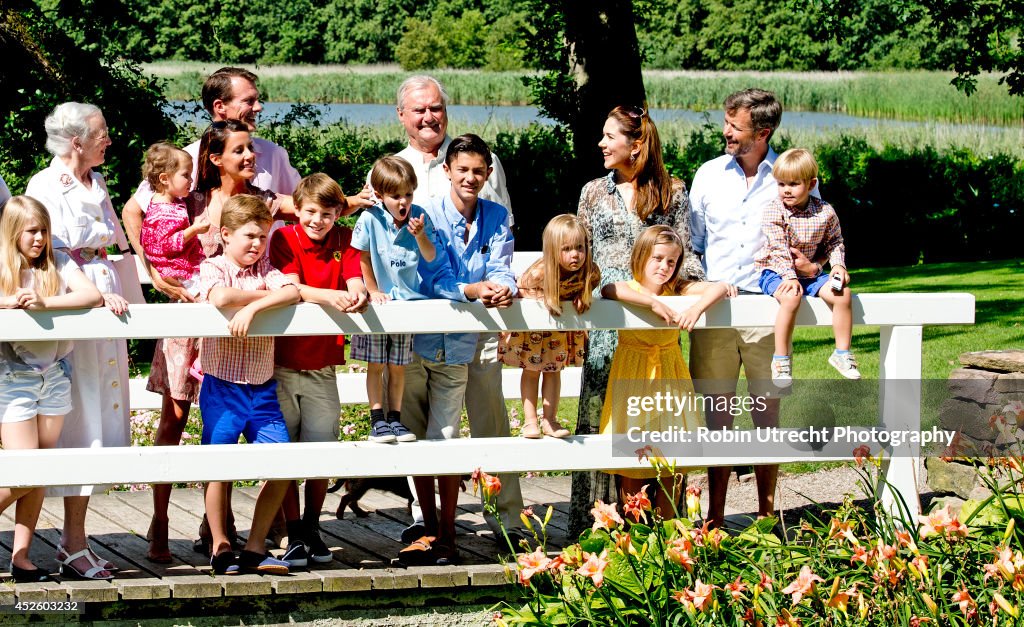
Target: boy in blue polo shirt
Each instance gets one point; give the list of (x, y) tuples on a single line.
[(397, 258)]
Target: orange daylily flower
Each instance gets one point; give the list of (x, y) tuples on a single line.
[(532, 563), (802, 585), (489, 485), (964, 600), (679, 553), (844, 529), (736, 588), (593, 567), (861, 453), (605, 516), (636, 505), (942, 522)]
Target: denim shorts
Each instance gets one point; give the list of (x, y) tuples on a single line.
[(770, 281), (25, 394), (234, 409)]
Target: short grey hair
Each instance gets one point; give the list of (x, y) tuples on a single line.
[(65, 122), (420, 81)]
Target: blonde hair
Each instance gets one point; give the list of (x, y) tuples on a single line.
[(796, 164), (320, 189), (391, 175), (644, 246), (163, 158), (17, 212), (242, 209), (560, 230)]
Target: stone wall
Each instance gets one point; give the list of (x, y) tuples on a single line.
[(981, 389)]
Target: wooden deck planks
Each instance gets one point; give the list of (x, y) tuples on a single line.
[(363, 547)]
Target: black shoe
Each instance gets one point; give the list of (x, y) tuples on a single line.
[(224, 563), (381, 432), (413, 532), (318, 550), (296, 555), (26, 575)]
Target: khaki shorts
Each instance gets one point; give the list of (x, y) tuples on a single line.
[(716, 356), (309, 403)]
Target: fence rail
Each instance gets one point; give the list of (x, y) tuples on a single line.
[(899, 316)]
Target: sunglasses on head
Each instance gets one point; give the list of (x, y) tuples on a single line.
[(635, 112)]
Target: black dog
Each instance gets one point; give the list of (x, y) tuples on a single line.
[(356, 488)]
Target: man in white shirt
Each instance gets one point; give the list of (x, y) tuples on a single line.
[(230, 93), (423, 110), (727, 198)]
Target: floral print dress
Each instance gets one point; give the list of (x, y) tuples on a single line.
[(547, 351), (614, 228)]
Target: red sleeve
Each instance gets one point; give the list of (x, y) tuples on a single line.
[(282, 255), (350, 268)]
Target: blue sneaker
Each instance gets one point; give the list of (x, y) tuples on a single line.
[(401, 433), (381, 432)]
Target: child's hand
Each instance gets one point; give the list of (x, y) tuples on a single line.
[(358, 301), (27, 298), (789, 286), (731, 291), (665, 312), (689, 318), (415, 225), (201, 227), (579, 305), (379, 298), (115, 303), (842, 274), (239, 323)]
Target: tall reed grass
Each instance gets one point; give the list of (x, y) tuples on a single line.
[(898, 95)]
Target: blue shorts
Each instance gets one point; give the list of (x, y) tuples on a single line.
[(234, 409), (770, 281)]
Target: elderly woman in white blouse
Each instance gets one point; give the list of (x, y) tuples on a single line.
[(84, 225)]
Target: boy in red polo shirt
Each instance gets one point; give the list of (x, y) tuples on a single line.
[(315, 254)]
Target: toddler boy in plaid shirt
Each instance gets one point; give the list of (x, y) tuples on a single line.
[(797, 220), (239, 395)]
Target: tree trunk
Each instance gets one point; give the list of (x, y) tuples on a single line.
[(604, 59)]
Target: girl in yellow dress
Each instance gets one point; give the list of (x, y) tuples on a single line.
[(565, 271), (643, 357)]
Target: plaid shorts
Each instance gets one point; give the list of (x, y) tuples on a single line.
[(384, 348)]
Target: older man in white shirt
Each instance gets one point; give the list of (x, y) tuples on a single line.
[(423, 110), (727, 198)]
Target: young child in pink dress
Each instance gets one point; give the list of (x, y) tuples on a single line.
[(168, 235), (565, 271)]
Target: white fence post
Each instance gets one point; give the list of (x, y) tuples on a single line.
[(900, 411)]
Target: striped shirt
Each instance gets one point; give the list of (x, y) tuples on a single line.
[(813, 228), (238, 359)]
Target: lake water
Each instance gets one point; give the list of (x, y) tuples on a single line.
[(378, 114)]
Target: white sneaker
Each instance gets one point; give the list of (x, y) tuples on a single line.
[(782, 375), (845, 363)]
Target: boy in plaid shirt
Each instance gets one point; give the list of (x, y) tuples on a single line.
[(797, 220), (238, 395)]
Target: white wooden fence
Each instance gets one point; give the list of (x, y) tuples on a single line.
[(899, 316)]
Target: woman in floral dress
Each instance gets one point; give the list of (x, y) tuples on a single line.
[(638, 192)]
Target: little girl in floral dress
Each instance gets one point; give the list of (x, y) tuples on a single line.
[(565, 272)]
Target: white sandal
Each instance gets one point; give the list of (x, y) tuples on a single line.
[(92, 573)]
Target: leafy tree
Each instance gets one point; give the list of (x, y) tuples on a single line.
[(43, 67)]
